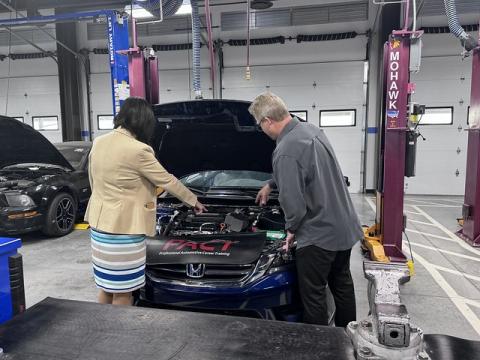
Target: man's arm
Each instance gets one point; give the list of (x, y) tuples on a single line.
[(272, 184), (291, 188)]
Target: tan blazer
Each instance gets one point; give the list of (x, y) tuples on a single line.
[(124, 177)]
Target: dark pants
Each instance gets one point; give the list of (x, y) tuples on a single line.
[(316, 268)]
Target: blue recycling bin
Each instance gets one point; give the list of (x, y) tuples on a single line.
[(12, 293)]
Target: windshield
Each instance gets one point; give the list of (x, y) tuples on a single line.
[(206, 180), (74, 155)]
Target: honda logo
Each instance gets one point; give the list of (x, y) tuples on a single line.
[(196, 271)]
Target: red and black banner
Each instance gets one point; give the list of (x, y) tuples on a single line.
[(232, 249)]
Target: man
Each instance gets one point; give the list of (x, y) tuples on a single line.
[(319, 213)]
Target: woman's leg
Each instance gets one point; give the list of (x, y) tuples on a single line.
[(123, 299), (104, 297)]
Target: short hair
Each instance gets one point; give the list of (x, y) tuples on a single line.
[(136, 115), (268, 105)]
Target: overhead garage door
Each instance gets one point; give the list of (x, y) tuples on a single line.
[(311, 85), (443, 82)]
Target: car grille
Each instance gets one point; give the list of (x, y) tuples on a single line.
[(217, 273)]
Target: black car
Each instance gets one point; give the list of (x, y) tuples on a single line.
[(42, 186)]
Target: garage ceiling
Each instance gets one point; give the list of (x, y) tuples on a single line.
[(437, 7), (298, 16)]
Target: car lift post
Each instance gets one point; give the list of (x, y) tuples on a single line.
[(142, 69), (387, 332), (471, 205), (383, 240)]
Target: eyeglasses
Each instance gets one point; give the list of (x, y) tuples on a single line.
[(261, 121)]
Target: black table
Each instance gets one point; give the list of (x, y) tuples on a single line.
[(65, 329)]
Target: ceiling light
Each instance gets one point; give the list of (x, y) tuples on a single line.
[(138, 12), (261, 4), (185, 8)]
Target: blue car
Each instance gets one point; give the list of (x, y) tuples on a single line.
[(230, 259)]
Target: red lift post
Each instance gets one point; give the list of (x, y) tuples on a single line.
[(471, 206), (383, 240)]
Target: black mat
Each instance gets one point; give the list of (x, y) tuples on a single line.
[(443, 347), (64, 329)]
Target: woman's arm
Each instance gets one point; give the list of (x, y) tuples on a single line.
[(152, 170)]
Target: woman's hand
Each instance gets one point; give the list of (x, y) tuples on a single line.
[(199, 208)]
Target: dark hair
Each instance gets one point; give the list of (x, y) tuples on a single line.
[(136, 115)]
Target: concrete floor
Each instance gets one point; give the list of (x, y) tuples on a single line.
[(443, 297)]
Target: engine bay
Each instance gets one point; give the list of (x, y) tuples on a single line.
[(175, 220)]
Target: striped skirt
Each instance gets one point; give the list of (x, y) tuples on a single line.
[(118, 261)]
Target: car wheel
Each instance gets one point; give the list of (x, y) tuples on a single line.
[(61, 215)]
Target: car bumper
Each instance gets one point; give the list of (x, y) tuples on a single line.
[(273, 296), (21, 225)]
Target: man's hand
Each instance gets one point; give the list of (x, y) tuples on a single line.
[(263, 195), (199, 208), (288, 241)]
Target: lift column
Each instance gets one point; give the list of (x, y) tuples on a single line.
[(471, 207)]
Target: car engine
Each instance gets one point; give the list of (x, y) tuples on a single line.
[(179, 221)]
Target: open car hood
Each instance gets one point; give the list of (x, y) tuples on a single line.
[(204, 135), (23, 144)]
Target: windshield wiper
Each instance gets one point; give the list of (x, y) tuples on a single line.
[(246, 191), (196, 191)]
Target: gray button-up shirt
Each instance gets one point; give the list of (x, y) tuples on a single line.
[(312, 189)]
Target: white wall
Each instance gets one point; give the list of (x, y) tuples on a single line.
[(339, 85), (290, 70), (30, 88), (444, 80), (311, 77)]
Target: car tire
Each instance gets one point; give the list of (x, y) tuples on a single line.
[(61, 215)]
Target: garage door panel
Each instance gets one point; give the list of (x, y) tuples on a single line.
[(436, 173), (337, 86), (437, 93), (328, 75), (444, 68)]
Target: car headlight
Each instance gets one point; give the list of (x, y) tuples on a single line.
[(281, 262), (19, 200)]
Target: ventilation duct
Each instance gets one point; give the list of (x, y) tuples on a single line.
[(32, 55), (297, 16), (97, 51), (173, 47), (326, 37), (446, 29), (262, 41), (169, 7)]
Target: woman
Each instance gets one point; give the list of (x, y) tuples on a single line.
[(125, 178)]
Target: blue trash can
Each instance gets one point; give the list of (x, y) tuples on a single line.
[(12, 291)]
